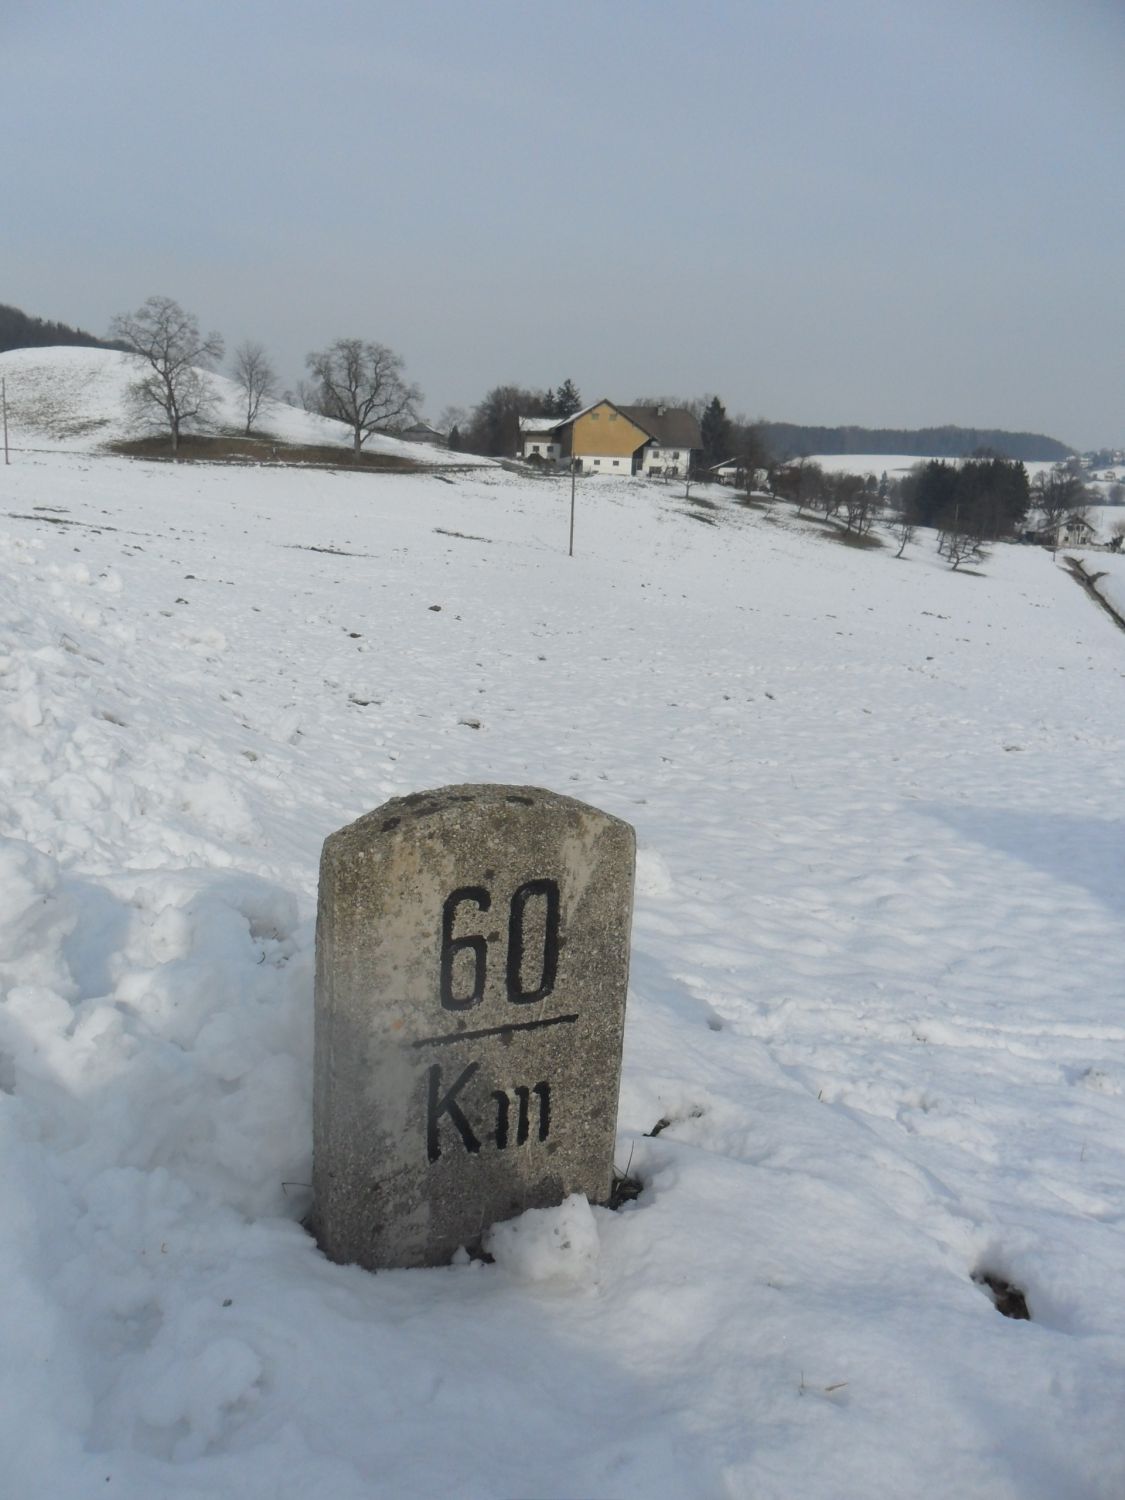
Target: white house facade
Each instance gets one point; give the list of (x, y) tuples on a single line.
[(540, 440)]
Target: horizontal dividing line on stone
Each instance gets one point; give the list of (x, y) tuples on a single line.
[(471, 1036)]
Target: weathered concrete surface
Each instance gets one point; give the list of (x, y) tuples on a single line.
[(472, 964)]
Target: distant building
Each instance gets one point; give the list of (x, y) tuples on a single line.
[(1074, 530), (422, 432), (737, 472)]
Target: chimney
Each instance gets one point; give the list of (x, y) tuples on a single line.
[(660, 411)]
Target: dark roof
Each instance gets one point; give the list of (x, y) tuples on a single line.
[(670, 426)]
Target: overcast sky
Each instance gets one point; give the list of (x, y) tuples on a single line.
[(889, 212)]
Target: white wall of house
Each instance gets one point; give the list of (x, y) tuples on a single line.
[(541, 447), (598, 463), (1076, 533), (672, 462)]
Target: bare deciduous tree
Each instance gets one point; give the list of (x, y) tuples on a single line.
[(255, 377), (959, 536), (362, 384), (859, 498), (803, 482), (905, 529), (905, 523), (451, 417), (167, 339), (960, 545)]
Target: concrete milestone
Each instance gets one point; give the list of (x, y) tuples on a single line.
[(472, 964)]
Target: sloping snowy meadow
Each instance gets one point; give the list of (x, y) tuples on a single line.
[(875, 1041)]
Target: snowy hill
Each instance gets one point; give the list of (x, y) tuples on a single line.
[(874, 1016), (74, 400)]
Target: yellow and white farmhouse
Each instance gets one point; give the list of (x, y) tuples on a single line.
[(609, 439)]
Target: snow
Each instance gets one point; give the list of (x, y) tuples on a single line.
[(874, 1012), (1108, 569), (72, 400), (1105, 519), (549, 1244)]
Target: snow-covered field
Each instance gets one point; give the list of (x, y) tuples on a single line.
[(876, 994)]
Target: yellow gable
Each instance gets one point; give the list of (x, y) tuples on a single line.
[(605, 432)]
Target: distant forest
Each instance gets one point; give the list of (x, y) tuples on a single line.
[(786, 440), (19, 331)]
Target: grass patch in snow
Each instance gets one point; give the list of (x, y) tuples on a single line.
[(227, 448), (862, 542)]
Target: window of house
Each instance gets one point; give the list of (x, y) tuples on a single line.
[(676, 454), (613, 416), (535, 447), (595, 416), (615, 463)]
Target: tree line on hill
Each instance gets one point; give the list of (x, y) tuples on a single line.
[(20, 331), (789, 440)]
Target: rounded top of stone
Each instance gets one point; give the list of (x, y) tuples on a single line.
[(417, 807)]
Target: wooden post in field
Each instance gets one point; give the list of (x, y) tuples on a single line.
[(4, 404)]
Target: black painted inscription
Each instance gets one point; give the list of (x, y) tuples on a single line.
[(543, 1093), (503, 1109), (542, 896), (548, 892), (451, 947), (446, 1104)]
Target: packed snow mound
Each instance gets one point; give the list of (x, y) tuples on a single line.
[(873, 1049), (548, 1244), (64, 399)]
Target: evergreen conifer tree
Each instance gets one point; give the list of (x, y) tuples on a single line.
[(715, 432), (567, 401)]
